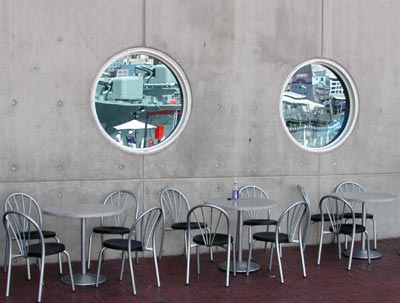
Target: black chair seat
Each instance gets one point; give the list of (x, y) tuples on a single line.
[(51, 248), (348, 229), (270, 237), (357, 216), (219, 240), (122, 244), (318, 217), (256, 222), (34, 235), (111, 230), (183, 225)]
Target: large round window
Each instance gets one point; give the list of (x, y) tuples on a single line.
[(141, 100), (319, 105)]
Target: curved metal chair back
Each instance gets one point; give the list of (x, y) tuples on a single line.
[(144, 228), (252, 191), (26, 204), (306, 226), (292, 221), (175, 206), (349, 186), (122, 199)]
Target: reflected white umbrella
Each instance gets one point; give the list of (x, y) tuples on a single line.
[(134, 124)]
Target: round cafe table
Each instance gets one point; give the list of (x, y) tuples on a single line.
[(82, 211), (240, 205), (364, 198)]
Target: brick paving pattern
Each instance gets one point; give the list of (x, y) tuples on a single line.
[(329, 282)]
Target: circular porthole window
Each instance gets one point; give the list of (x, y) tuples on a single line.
[(319, 105), (141, 100)]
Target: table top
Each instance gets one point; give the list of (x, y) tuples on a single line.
[(368, 197), (246, 204), (83, 210)]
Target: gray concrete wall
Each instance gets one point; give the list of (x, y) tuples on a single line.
[(236, 55)]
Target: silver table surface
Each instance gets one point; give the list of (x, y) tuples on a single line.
[(240, 205), (82, 211), (364, 198)]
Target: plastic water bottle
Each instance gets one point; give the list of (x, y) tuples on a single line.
[(235, 190)]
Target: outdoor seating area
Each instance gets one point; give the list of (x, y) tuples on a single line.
[(131, 231)]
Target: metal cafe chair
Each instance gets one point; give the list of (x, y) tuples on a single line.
[(26, 204), (214, 232), (349, 186), (331, 204), (175, 207), (256, 217), (20, 228), (141, 238), (118, 225), (288, 230)]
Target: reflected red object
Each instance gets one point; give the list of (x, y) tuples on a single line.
[(159, 132), (150, 143), (173, 101)]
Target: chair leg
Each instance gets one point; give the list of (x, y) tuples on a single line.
[(162, 242), (277, 246), (303, 264), (234, 258), (198, 260), (8, 274), (374, 231), (5, 255), (28, 268), (90, 250), (41, 280), (339, 247), (70, 269), (121, 273), (187, 263), (59, 258), (228, 264), (99, 265), (156, 266), (132, 273), (249, 258), (321, 237), (271, 255), (351, 252)]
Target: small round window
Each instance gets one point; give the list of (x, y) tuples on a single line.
[(141, 100), (319, 105)]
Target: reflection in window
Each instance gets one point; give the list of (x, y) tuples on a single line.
[(315, 106), (138, 100)]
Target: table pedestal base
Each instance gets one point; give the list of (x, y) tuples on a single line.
[(362, 254), (241, 267), (83, 279)]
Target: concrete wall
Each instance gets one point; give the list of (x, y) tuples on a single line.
[(237, 55)]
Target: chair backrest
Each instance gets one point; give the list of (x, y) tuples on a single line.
[(349, 186), (252, 191), (122, 199), (144, 228), (292, 222), (25, 204), (174, 205), (19, 227), (334, 207), (211, 220)]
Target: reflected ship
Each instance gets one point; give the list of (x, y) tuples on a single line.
[(138, 99)]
